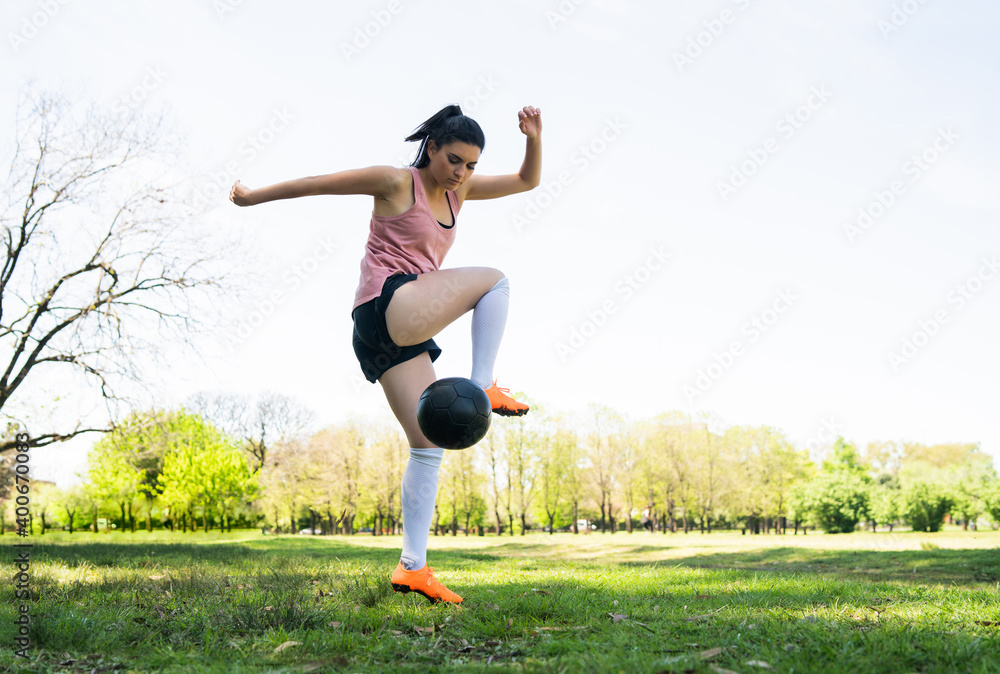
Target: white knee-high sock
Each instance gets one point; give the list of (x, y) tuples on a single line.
[(418, 494), (488, 321)]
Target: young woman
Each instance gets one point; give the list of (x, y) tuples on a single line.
[(404, 298)]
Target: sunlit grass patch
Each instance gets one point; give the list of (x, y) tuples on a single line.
[(645, 602)]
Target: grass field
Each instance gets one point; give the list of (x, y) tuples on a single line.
[(901, 602)]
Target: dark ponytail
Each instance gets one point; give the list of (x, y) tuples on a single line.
[(446, 126)]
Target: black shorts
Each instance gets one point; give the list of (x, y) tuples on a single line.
[(374, 348)]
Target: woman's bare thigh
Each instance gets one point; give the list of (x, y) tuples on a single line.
[(403, 384), (423, 307)]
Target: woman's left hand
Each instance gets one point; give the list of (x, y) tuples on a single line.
[(530, 121)]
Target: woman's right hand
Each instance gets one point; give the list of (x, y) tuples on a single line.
[(240, 194)]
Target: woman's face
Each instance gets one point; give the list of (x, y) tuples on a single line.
[(453, 163)]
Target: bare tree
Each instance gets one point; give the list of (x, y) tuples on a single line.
[(99, 268), (261, 423)]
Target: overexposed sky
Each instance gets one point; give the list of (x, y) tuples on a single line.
[(746, 207)]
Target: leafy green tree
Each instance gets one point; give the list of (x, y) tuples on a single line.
[(498, 492), (336, 455), (603, 445), (553, 469), (846, 458), (926, 504), (991, 500), (205, 468), (45, 498), (838, 500), (382, 473), (968, 501), (520, 439), (72, 503), (113, 475), (886, 506)]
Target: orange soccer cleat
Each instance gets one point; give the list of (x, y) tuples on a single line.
[(503, 404), (423, 582)]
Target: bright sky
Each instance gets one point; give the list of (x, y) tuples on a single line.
[(784, 213)]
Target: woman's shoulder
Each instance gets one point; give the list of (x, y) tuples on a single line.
[(398, 183)]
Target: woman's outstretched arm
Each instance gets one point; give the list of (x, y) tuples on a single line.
[(492, 187), (377, 181)]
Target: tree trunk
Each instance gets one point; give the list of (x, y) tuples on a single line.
[(496, 513), (576, 517), (510, 522), (524, 524)]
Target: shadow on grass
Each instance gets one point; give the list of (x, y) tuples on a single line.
[(960, 567), (969, 567), (143, 555)]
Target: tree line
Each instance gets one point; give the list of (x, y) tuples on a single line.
[(231, 461)]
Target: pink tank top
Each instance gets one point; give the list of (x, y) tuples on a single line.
[(412, 242)]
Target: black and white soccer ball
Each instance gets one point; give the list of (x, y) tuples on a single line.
[(454, 413)]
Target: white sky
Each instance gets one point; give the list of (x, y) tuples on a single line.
[(672, 131)]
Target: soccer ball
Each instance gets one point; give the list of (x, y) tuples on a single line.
[(454, 413)]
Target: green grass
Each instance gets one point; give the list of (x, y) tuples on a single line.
[(902, 602)]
